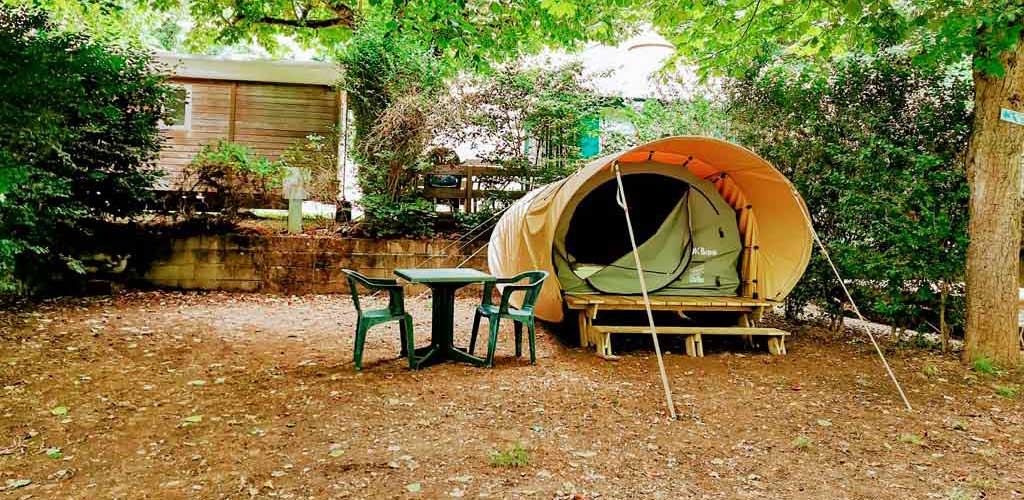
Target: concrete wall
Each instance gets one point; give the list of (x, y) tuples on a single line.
[(294, 264)]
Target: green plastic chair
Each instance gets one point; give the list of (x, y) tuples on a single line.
[(369, 318), (521, 315)]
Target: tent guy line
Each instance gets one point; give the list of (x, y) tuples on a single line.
[(856, 310), (620, 198)]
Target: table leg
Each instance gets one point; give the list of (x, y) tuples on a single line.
[(442, 345)]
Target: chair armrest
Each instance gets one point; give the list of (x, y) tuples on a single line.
[(396, 302), (508, 290)]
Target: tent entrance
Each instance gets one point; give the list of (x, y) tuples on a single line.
[(687, 236)]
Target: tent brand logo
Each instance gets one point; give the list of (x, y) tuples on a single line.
[(705, 252)]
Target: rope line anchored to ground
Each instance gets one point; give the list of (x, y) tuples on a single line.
[(856, 310), (620, 198)]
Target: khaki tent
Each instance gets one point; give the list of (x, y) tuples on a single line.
[(711, 219)]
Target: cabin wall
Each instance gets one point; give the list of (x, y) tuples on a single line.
[(267, 117)]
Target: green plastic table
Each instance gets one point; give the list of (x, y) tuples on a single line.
[(443, 283)]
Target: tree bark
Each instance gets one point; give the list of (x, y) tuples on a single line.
[(993, 174)]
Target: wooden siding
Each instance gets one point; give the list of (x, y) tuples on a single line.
[(266, 117)]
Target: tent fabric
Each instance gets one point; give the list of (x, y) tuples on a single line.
[(531, 234)]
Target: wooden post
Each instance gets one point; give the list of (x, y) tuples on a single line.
[(233, 111), (469, 189)]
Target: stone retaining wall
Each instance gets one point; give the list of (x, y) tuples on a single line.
[(294, 264)]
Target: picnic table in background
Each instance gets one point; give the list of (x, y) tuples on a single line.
[(443, 283)]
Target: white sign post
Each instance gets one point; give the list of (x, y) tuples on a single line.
[(294, 188)]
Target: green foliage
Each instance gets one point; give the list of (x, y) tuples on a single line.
[(233, 172), (930, 370), (1007, 391), (668, 115), (986, 366), (874, 146), (392, 83), (802, 443), (318, 154), (910, 438), (110, 22), (478, 220), (470, 33), (79, 137), (731, 35), (412, 217), (515, 456), (529, 120)]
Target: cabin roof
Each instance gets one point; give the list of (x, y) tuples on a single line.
[(251, 70)]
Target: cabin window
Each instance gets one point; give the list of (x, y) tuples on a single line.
[(179, 108)]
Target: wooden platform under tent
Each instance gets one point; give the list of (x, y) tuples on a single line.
[(749, 312)]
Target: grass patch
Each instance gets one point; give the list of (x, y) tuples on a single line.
[(910, 438), (930, 370), (1007, 391), (514, 456), (986, 366), (801, 443), (957, 493)]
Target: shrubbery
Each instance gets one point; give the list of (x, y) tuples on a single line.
[(875, 147), (79, 136), (393, 84), (231, 171)]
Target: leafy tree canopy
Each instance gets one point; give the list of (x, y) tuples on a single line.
[(472, 31), (730, 35)]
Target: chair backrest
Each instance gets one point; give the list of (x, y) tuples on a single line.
[(355, 279)]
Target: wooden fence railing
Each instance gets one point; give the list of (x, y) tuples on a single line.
[(475, 182)]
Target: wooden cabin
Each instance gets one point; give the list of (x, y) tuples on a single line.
[(266, 105)]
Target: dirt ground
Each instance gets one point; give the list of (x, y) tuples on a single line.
[(168, 395)]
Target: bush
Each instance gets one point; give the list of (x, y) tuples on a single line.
[(234, 173), (531, 121), (392, 82), (875, 146), (318, 154), (411, 216), (79, 138)]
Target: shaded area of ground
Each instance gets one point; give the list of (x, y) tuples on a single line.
[(248, 396)]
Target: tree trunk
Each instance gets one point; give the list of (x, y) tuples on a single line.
[(943, 327), (993, 256)]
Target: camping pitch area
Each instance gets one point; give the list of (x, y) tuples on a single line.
[(168, 395)]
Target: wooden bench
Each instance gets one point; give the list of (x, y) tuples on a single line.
[(694, 334), (749, 311)]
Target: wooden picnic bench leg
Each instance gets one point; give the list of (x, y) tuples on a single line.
[(583, 326), (603, 340), (700, 345), (691, 345), (748, 340), (776, 345)]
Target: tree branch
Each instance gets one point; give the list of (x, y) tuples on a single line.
[(345, 18)]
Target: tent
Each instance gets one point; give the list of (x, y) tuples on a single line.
[(711, 219)]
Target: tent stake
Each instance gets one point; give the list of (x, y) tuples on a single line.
[(856, 310), (621, 199)]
